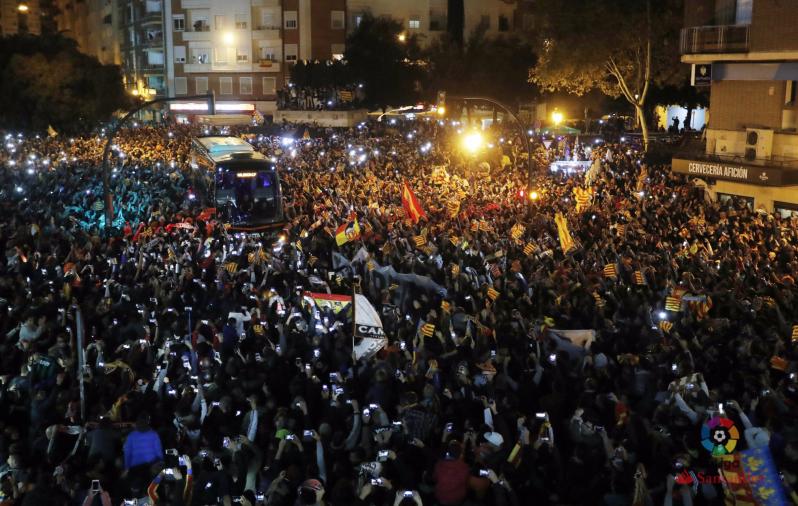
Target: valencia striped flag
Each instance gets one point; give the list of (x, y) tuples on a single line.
[(493, 294), (428, 329), (529, 249), (665, 326), (639, 278), (420, 240), (411, 204), (673, 303), (455, 270), (610, 271), (795, 332), (231, 267), (446, 307)]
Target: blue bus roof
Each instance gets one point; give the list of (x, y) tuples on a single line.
[(219, 148)]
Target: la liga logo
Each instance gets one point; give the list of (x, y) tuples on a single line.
[(719, 436)]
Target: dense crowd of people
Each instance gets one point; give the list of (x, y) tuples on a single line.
[(516, 372), (320, 98)]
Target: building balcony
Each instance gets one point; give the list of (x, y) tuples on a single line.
[(199, 33), (189, 68), (714, 39), (266, 33), (267, 66), (149, 18)]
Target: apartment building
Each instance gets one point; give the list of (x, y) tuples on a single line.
[(429, 19), (94, 25), (747, 52), (242, 49), (20, 16), (143, 47)]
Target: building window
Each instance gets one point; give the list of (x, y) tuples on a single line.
[(200, 22), (504, 24), (201, 85), (337, 20), (267, 53), (242, 56), (179, 22), (485, 21), (245, 85), (744, 11), (358, 19), (220, 55), (180, 54), (414, 24), (269, 85), (337, 51), (290, 20), (219, 22), (181, 86), (291, 51), (241, 21), (267, 21), (199, 55), (225, 86)]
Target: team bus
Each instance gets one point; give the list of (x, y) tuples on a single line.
[(240, 183)]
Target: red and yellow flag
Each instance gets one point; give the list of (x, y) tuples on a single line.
[(411, 204), (349, 231)]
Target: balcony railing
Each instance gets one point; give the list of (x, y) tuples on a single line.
[(714, 39)]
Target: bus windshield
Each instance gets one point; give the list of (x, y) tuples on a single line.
[(247, 195)]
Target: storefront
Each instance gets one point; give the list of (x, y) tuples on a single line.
[(772, 188)]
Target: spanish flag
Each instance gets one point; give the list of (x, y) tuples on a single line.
[(566, 241), (411, 204), (349, 231)]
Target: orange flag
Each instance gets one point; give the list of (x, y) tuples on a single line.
[(411, 204)]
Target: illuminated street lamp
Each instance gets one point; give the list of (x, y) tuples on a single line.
[(533, 195), (402, 37), (472, 142), (556, 117), (228, 38), (441, 110), (22, 7)]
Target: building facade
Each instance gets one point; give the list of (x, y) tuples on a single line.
[(429, 19), (747, 52), (20, 17), (242, 50)]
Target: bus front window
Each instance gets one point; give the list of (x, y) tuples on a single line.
[(249, 195)]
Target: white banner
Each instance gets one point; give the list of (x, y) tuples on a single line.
[(369, 335)]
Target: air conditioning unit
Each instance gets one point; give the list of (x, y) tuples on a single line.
[(758, 143)]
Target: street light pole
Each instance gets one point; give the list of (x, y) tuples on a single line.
[(523, 133), (109, 200)]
